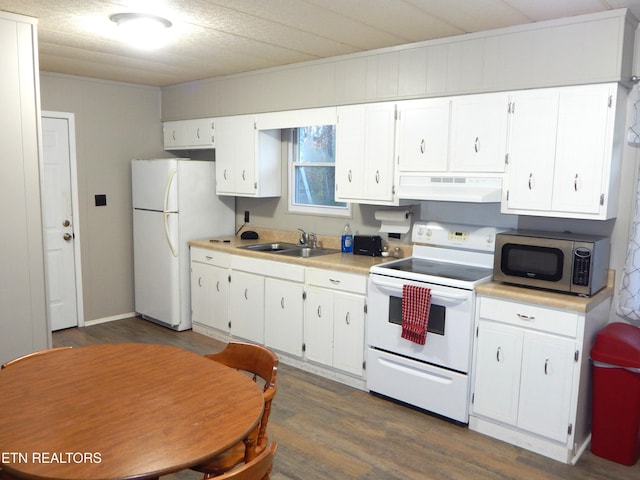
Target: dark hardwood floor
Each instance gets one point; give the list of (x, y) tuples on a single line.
[(328, 431)]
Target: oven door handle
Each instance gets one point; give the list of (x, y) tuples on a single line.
[(396, 291)]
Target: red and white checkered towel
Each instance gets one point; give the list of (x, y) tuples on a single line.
[(415, 313)]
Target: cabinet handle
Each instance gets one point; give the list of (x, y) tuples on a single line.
[(525, 317), (476, 145), (319, 311), (377, 176), (347, 318), (422, 146), (243, 175), (224, 174), (546, 366), (208, 257), (218, 285), (334, 281), (531, 181), (198, 133), (173, 134), (349, 176), (282, 302), (575, 183), (246, 297), (199, 281), (499, 355)]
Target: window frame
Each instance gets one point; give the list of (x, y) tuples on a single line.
[(292, 207)]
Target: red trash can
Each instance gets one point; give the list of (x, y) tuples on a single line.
[(615, 429)]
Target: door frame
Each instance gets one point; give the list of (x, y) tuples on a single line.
[(75, 206)]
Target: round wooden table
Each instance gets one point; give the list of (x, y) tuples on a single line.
[(120, 411)]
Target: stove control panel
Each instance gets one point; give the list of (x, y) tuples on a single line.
[(469, 237)]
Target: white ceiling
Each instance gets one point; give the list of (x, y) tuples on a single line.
[(210, 38)]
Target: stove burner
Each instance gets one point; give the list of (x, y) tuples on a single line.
[(432, 268)]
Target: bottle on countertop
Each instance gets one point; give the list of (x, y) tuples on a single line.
[(347, 239)]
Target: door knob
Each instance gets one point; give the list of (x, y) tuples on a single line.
[(66, 223), (67, 237)]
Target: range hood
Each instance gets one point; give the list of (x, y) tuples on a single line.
[(450, 188)]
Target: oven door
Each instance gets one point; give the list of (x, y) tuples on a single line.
[(449, 330)]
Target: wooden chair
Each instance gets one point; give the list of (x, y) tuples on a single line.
[(31, 355), (261, 363), (257, 469)]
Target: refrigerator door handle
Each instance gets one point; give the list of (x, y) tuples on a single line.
[(167, 235), (165, 214), (167, 189)]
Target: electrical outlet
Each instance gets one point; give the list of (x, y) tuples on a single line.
[(246, 216)]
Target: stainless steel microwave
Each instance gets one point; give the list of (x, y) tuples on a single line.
[(563, 262)]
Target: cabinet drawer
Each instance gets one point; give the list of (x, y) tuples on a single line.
[(268, 268), (343, 281), (211, 257), (526, 315)]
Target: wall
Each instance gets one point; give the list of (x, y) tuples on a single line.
[(115, 122)]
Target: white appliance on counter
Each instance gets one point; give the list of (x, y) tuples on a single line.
[(450, 260), (174, 201)]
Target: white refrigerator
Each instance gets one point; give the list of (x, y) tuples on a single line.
[(174, 201)]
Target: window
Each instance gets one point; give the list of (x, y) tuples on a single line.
[(312, 171)]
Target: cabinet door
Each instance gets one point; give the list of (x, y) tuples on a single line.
[(318, 326), (284, 310), (365, 149), (350, 146), (235, 155), (532, 149), (245, 155), (219, 278), (225, 162), (210, 295), (246, 308), (200, 133), (479, 133), (546, 385), (497, 378), (174, 134), (348, 333), (379, 152), (423, 140), (582, 153), (201, 294)]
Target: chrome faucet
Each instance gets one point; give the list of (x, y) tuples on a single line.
[(304, 238), (314, 240)]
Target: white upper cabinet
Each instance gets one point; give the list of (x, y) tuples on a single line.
[(193, 134), (562, 159), (479, 133), (423, 139), (365, 150), (247, 160)]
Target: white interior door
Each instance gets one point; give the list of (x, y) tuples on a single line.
[(60, 221)]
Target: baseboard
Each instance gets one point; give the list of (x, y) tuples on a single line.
[(113, 318)]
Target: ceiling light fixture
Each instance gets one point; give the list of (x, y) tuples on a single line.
[(141, 29)]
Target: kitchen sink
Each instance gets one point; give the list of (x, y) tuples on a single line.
[(289, 249), (306, 252), (270, 247)]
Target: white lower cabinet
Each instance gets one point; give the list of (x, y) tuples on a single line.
[(531, 375), (334, 319), (246, 309), (524, 378), (284, 310), (210, 289), (306, 315)]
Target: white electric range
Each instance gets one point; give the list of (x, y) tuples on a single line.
[(450, 260)]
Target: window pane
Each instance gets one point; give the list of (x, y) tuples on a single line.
[(315, 186), (316, 144)]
